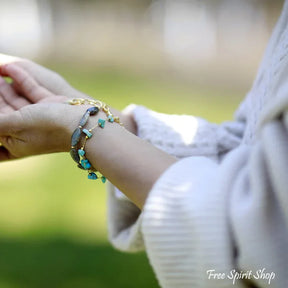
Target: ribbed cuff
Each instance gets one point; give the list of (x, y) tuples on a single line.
[(185, 225)]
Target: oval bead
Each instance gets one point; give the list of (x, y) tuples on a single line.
[(74, 154), (93, 110), (84, 119), (76, 137)]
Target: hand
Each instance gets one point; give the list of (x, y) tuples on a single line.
[(32, 83), (38, 129), (47, 128)]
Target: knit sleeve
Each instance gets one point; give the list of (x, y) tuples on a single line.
[(185, 135), (180, 136), (205, 219), (218, 217)]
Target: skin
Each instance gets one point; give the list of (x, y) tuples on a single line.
[(35, 120)]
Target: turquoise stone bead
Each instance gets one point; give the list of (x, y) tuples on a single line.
[(85, 164), (87, 132), (75, 155), (81, 153), (101, 123), (92, 176), (103, 179), (110, 118), (84, 119), (76, 137), (93, 110)]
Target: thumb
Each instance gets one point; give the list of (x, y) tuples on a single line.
[(26, 83)]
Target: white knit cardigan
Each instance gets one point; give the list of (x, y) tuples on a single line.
[(224, 204)]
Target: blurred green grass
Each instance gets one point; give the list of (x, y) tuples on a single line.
[(53, 220)]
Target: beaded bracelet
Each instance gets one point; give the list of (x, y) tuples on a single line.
[(100, 105), (79, 154)]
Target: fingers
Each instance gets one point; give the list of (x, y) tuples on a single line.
[(26, 83), (11, 99), (4, 107), (6, 59)]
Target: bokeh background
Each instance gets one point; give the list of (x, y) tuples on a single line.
[(174, 56)]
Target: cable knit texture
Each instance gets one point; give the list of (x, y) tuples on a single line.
[(223, 205)]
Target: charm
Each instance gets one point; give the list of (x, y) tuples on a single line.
[(92, 176), (101, 123), (85, 164), (87, 132), (81, 153), (110, 118)]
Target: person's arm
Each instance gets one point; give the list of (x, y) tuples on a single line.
[(177, 135), (130, 163)]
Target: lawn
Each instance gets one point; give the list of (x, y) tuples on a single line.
[(53, 220)]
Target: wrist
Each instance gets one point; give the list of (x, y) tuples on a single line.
[(86, 129), (129, 123), (74, 113)]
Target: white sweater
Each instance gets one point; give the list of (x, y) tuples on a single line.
[(224, 204)]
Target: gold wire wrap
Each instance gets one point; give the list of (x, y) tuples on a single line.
[(97, 103)]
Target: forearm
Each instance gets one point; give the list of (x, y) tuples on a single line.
[(126, 119)]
